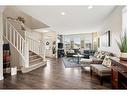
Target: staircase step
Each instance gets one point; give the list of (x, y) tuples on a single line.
[(34, 60), (33, 57), (33, 67), (31, 53)]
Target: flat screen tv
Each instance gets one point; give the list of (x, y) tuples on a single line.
[(60, 45)]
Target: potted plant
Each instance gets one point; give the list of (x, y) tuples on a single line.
[(123, 47)]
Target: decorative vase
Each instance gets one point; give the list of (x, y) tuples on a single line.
[(123, 56)]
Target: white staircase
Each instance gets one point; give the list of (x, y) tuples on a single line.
[(35, 61), (32, 52)]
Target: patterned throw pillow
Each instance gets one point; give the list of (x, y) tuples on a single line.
[(102, 55), (99, 56), (96, 53), (107, 61)]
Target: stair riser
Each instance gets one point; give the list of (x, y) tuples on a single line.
[(25, 70), (33, 58), (30, 54)]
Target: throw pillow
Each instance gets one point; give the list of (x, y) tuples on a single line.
[(107, 61), (71, 51), (96, 53), (99, 56), (102, 56)]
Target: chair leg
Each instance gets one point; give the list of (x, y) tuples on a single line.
[(101, 80), (91, 71)]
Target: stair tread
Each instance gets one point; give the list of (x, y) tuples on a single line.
[(36, 59), (33, 55), (35, 64)]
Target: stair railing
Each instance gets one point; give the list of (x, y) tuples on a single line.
[(32, 45), (16, 40), (22, 43)]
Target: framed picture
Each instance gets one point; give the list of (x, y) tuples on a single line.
[(105, 39)]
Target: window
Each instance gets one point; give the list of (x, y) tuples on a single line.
[(124, 21)]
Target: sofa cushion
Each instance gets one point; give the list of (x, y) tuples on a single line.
[(107, 62), (86, 60), (96, 53), (71, 51), (101, 55), (101, 70)]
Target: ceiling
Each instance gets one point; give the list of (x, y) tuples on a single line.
[(77, 19)]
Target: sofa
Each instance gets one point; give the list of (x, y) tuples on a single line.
[(100, 68), (72, 52), (88, 53)]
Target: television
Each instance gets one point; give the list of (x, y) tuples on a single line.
[(60, 45)]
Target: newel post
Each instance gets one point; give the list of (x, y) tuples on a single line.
[(1, 43), (26, 52), (44, 50)]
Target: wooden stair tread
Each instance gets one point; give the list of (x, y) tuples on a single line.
[(35, 62)]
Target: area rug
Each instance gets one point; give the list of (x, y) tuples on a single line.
[(70, 63)]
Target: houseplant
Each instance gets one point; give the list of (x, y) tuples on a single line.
[(123, 47)]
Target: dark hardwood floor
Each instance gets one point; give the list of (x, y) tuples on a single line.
[(53, 76)]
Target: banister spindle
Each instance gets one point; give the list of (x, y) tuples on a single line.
[(6, 29), (20, 44), (17, 40), (10, 29), (14, 37)]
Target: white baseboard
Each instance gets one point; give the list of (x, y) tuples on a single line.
[(1, 77)]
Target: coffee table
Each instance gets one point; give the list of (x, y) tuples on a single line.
[(78, 56)]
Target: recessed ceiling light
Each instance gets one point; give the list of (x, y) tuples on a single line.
[(63, 13), (45, 30), (90, 7)]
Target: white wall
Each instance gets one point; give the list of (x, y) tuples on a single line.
[(50, 37), (114, 24), (34, 35), (1, 43), (30, 22), (14, 13)]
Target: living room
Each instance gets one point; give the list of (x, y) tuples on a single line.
[(81, 47)]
